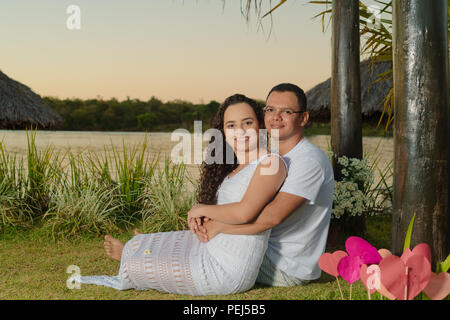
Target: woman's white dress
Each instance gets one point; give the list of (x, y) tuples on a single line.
[(177, 262)]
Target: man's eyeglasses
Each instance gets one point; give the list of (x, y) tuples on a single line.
[(285, 112)]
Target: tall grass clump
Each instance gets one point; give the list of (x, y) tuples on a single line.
[(79, 204), (93, 193), (43, 171), (380, 190), (126, 173), (167, 199), (13, 210), (133, 169), (82, 210)]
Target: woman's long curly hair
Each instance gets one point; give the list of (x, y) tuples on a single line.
[(213, 174)]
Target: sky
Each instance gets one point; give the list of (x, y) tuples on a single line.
[(194, 50)]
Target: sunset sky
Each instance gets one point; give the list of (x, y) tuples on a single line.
[(195, 50)]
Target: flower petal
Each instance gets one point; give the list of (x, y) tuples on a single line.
[(356, 246), (349, 268)]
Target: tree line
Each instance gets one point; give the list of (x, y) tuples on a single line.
[(131, 114), (157, 116)]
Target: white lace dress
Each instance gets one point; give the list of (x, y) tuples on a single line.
[(177, 262)]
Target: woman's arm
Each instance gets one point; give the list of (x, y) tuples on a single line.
[(211, 228), (272, 215), (261, 190)]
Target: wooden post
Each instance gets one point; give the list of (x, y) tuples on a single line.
[(346, 130), (421, 125)]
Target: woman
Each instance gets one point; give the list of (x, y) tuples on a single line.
[(177, 262)]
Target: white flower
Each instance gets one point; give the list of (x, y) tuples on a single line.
[(343, 161), (348, 198)]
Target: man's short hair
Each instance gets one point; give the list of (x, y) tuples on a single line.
[(289, 87)]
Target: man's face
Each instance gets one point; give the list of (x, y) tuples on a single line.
[(278, 115)]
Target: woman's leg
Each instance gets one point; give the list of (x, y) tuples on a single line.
[(160, 261), (114, 247)]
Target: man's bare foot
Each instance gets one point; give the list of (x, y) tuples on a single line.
[(136, 232), (113, 247)]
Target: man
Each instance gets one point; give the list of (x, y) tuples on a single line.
[(299, 215)]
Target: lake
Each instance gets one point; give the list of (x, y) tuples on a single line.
[(158, 142)]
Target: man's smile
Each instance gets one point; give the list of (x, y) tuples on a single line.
[(276, 126)]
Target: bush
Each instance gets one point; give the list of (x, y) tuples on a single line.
[(167, 199), (82, 210), (357, 194), (95, 194)]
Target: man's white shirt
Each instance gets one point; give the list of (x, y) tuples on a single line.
[(296, 244)]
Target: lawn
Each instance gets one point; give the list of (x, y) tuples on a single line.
[(33, 267)]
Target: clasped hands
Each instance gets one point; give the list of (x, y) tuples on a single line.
[(202, 226)]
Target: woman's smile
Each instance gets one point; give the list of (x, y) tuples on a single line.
[(242, 139)]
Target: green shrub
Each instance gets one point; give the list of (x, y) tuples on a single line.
[(84, 209), (167, 199)]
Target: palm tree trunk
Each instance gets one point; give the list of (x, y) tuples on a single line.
[(346, 132), (422, 120)]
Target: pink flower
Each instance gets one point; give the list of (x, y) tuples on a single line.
[(359, 252)]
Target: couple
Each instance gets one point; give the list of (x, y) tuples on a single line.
[(248, 226)]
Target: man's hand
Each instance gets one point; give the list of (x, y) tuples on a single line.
[(212, 228), (208, 230), (196, 211)]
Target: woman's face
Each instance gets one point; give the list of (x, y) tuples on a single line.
[(241, 127)]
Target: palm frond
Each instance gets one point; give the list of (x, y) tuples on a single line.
[(274, 8)]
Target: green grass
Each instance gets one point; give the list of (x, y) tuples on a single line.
[(33, 267)]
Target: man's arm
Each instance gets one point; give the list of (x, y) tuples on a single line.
[(261, 190), (272, 215)]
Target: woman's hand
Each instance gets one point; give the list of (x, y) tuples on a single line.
[(201, 232), (195, 217)]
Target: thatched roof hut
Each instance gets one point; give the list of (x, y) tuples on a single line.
[(372, 95), (20, 107)]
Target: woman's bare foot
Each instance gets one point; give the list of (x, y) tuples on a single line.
[(113, 247), (136, 232)]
